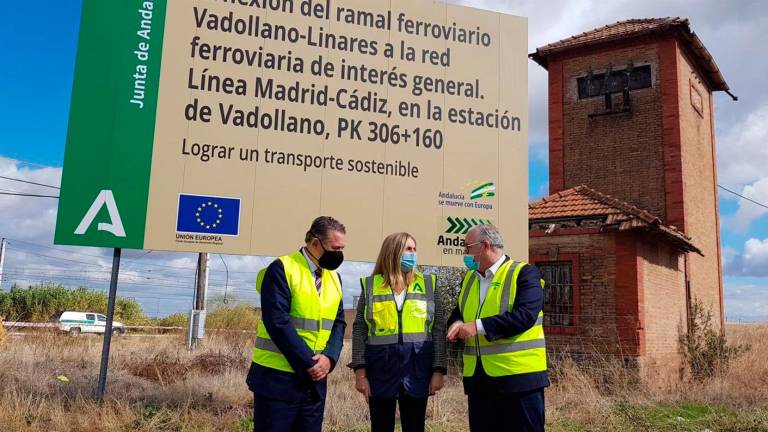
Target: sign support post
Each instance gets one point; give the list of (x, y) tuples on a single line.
[(108, 329)]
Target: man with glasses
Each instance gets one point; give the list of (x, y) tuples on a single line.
[(300, 333), (499, 317)]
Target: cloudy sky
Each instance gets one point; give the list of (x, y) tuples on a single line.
[(37, 73)]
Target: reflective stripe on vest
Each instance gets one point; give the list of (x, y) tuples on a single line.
[(381, 313), (269, 345), (522, 353), (311, 325), (312, 314), (512, 347)]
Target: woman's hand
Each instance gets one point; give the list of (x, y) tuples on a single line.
[(436, 383), (361, 384)]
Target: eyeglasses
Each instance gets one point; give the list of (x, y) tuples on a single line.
[(466, 247)]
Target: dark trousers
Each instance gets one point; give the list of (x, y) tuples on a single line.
[(515, 412), (272, 415), (413, 413)]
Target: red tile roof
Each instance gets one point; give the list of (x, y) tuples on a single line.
[(582, 203), (635, 28)]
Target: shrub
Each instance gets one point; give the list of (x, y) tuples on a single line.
[(47, 301), (705, 351), (240, 317), (218, 301), (179, 319)]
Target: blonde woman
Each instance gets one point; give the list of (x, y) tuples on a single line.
[(398, 338)]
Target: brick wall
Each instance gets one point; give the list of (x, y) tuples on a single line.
[(700, 185), (596, 329), (631, 294), (556, 127), (664, 300), (619, 155), (630, 301)]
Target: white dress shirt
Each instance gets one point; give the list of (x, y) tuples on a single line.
[(485, 282), (312, 266), (399, 298)]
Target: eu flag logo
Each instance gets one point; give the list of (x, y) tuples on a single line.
[(208, 215)]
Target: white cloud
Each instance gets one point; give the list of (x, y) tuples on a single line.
[(728, 254), (745, 302), (742, 162), (351, 272), (743, 150), (749, 211), (752, 261), (31, 219)]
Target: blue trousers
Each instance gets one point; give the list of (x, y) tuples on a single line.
[(413, 411), (513, 412), (272, 415)]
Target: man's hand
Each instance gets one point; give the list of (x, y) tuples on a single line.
[(321, 368), (361, 384), (436, 383), (453, 331), (462, 330)]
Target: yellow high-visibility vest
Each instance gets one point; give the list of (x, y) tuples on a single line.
[(519, 354), (381, 310), (312, 314)]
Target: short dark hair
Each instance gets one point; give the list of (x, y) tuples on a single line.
[(322, 226)]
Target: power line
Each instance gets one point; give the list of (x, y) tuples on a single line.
[(12, 240), (29, 195), (56, 249), (243, 286), (137, 288), (136, 292), (742, 196), (30, 182)]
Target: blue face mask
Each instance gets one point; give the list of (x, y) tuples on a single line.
[(470, 262), (408, 261)]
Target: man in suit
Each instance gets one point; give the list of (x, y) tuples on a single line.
[(300, 334), (499, 317)]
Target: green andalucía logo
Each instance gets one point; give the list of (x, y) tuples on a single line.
[(463, 225), (485, 190)]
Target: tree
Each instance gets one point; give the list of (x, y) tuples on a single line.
[(448, 288)]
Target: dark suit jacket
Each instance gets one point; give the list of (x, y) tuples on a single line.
[(529, 301), (275, 308)]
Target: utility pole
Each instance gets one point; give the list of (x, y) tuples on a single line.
[(202, 281), (2, 260), (197, 315)]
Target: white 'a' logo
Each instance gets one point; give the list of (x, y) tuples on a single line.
[(116, 227)]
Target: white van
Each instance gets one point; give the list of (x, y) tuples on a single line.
[(87, 322)]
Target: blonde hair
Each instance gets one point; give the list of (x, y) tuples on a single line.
[(388, 262)]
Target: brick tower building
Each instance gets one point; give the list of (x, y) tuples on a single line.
[(630, 233)]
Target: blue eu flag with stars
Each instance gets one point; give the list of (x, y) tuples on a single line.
[(208, 215)]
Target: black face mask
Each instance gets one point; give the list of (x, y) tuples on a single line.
[(330, 259)]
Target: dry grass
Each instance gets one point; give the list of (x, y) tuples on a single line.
[(2, 335), (745, 384), (156, 385)]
